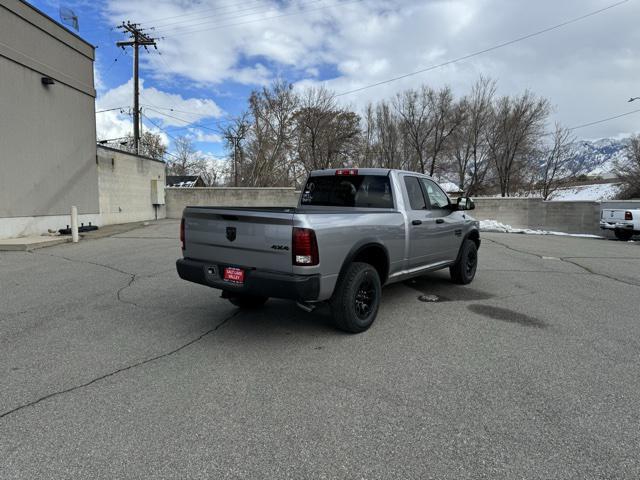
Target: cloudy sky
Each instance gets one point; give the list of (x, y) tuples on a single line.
[(212, 53)]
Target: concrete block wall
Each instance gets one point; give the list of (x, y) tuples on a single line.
[(178, 198), (125, 186), (568, 217), (534, 213)]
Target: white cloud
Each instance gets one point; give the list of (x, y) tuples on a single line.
[(587, 69), (110, 125), (200, 136), (166, 109)]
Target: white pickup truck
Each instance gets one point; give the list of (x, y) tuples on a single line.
[(624, 223)]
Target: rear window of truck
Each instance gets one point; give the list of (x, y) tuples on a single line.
[(363, 191)]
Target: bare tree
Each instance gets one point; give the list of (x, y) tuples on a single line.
[(628, 170), (517, 125), (151, 145), (445, 119), (326, 135), (413, 107), (389, 136), (235, 135), (187, 161), (269, 151), (469, 146), (555, 158), (368, 151)]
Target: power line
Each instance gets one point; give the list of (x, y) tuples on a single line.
[(183, 111), (603, 120), (153, 107), (486, 50), (160, 128), (110, 109), (162, 59), (225, 17), (122, 52), (111, 140), (265, 7), (188, 122), (167, 133), (197, 12), (300, 12)]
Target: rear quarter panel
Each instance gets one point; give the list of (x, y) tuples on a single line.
[(338, 233)]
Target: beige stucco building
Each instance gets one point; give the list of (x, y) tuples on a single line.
[(48, 157)]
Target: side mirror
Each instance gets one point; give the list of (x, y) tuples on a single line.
[(465, 203)]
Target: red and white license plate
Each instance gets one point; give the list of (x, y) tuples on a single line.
[(232, 274)]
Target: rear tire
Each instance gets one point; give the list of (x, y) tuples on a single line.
[(356, 298), (248, 301), (464, 270), (623, 234)]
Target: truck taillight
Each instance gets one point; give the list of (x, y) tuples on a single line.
[(305, 247), (347, 171), (628, 216), (182, 233)]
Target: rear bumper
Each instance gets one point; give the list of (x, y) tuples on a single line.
[(625, 225), (256, 282)]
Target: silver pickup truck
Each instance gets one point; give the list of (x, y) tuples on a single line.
[(353, 231)]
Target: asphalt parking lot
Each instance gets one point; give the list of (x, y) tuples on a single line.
[(113, 367)]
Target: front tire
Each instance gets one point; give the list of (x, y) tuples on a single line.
[(356, 298), (248, 301), (464, 270), (623, 234)]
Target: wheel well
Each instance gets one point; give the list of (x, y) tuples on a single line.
[(475, 237), (376, 256)]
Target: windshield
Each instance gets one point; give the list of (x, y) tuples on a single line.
[(365, 191)]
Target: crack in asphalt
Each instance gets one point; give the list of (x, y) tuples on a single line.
[(593, 272), (75, 260), (122, 289), (567, 260), (515, 270), (511, 248), (120, 370), (132, 276)]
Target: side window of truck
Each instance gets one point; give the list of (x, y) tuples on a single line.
[(414, 192), (437, 198)]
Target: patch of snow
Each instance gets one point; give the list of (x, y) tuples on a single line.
[(448, 186), (596, 192), (495, 226)]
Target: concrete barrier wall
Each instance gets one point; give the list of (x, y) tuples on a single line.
[(178, 198), (534, 213), (568, 217), (125, 186)]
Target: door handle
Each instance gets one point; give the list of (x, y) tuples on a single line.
[(439, 220), (416, 222)]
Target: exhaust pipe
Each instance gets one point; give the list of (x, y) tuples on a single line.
[(307, 307)]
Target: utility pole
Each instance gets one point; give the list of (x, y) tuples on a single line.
[(137, 38), (235, 140), (235, 136)]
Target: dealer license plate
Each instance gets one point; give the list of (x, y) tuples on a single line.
[(234, 275)]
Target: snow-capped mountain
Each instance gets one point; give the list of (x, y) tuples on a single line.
[(598, 157)]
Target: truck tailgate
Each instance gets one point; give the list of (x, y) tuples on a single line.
[(612, 215), (244, 237)]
